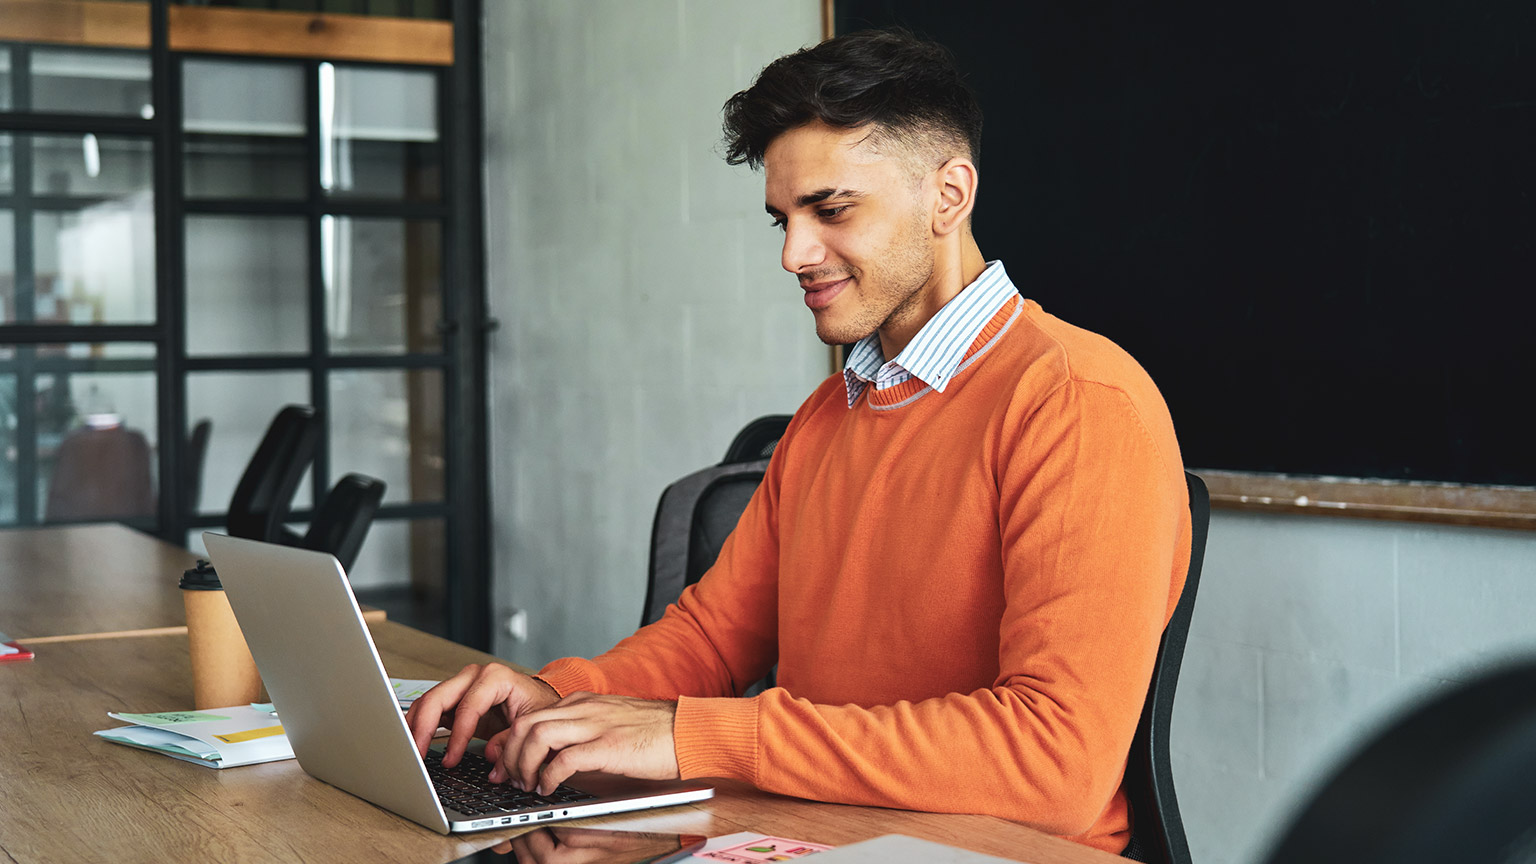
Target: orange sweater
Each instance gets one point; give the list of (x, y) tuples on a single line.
[(964, 592)]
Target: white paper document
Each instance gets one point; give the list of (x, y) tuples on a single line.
[(226, 737), (217, 738)]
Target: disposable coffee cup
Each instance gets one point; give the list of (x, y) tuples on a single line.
[(223, 673)]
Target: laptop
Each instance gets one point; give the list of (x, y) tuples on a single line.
[(328, 685)]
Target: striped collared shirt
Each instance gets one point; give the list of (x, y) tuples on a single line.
[(934, 354)]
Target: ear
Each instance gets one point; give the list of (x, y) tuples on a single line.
[(957, 181)]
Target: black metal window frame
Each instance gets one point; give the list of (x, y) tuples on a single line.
[(464, 508)]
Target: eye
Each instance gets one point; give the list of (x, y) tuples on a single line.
[(779, 223), (831, 212)]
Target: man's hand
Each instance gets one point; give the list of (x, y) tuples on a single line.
[(479, 702), (585, 732)]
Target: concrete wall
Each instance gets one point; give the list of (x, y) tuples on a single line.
[(1308, 634), (645, 316), (645, 320)]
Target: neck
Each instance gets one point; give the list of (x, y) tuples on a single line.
[(955, 265)]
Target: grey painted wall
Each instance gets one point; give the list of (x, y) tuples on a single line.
[(645, 321), (645, 315), (1310, 633)]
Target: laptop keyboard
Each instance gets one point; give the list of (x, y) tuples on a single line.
[(466, 788)]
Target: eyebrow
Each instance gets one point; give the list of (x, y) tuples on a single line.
[(819, 196)]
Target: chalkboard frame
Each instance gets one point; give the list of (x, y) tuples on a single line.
[(1509, 507)]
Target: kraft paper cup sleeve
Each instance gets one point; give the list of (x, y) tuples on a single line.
[(223, 672)]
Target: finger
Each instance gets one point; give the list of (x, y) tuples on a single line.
[(495, 746), (518, 846), (590, 756), (578, 704), (537, 847), (486, 691), (426, 713), (547, 731)]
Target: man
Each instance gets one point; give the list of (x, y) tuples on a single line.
[(966, 546)]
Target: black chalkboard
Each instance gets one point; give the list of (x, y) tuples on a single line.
[(1314, 222)]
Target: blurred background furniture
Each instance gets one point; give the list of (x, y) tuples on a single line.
[(265, 492), (101, 472), (341, 524), (263, 499), (196, 456), (696, 513), (1452, 780)]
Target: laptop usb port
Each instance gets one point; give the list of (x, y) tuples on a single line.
[(549, 815), (522, 818)]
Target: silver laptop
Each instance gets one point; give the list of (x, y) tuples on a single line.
[(320, 666)]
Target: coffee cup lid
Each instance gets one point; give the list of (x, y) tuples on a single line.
[(201, 578)]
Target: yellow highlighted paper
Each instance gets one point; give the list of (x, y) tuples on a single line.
[(250, 734)]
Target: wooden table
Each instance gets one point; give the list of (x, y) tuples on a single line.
[(76, 581), (88, 579), (70, 796)]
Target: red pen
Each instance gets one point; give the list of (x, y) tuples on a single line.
[(12, 650)]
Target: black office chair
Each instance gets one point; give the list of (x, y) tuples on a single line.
[(192, 471), (265, 492), (1453, 780), (698, 512), (342, 522), (1157, 831), (757, 439)]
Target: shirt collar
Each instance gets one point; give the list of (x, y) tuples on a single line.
[(935, 353)]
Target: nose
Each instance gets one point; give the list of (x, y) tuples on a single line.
[(802, 247)]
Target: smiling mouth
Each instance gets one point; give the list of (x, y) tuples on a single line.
[(820, 295)]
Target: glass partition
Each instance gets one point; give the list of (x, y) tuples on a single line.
[(91, 166), (244, 129), (7, 266), (383, 284), (83, 81), (388, 424), (95, 265), (247, 285), (378, 133), (5, 80)]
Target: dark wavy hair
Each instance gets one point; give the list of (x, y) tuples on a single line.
[(908, 90)]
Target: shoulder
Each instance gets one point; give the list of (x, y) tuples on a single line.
[(1047, 353), (1070, 372)]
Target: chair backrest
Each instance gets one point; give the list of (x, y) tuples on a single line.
[(100, 473), (1452, 780), (1157, 829), (757, 439), (192, 472), (693, 518), (262, 498), (341, 524), (698, 512)]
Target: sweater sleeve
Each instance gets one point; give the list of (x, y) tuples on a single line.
[(1092, 515)]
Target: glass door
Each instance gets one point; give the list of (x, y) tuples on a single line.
[(192, 239)]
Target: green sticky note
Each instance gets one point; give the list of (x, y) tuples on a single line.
[(166, 718)]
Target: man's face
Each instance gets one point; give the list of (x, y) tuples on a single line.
[(857, 232)]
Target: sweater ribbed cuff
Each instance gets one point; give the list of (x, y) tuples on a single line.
[(570, 674), (716, 738)]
